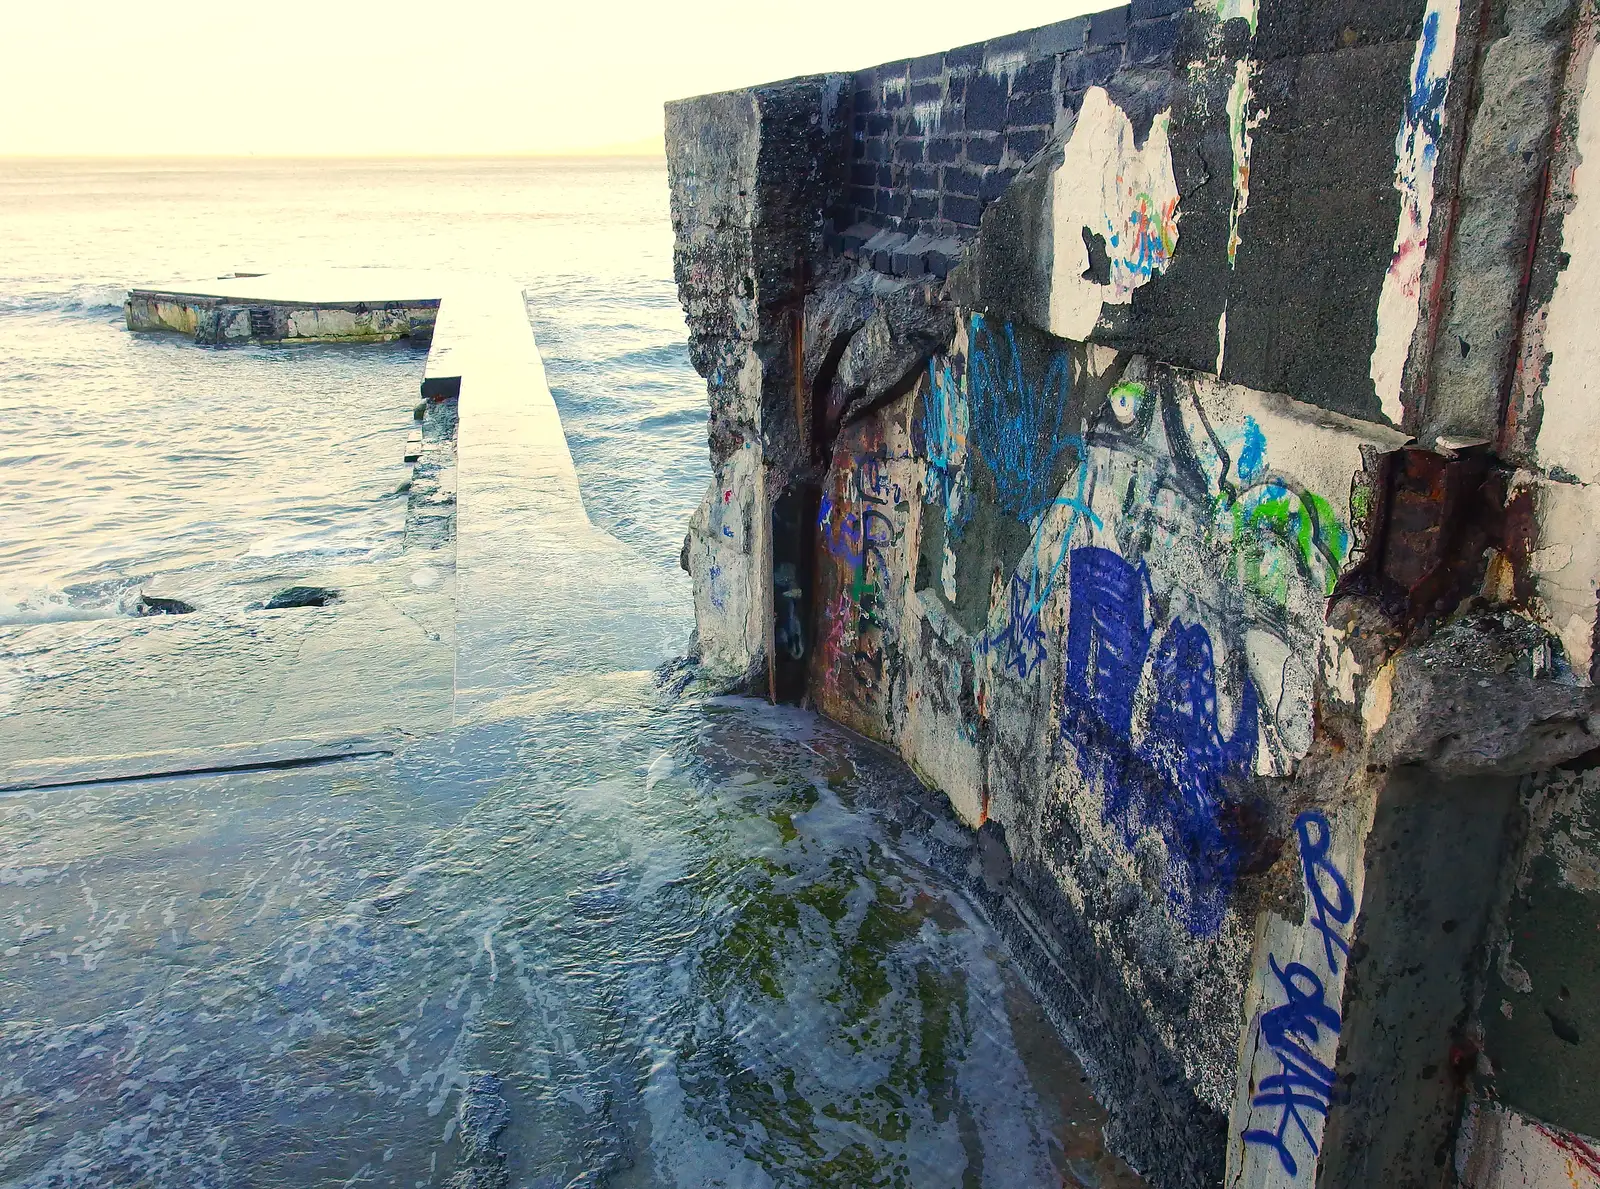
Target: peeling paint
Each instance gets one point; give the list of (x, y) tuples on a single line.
[(1242, 123), (1228, 10), (1125, 193), (1416, 153), (1499, 1148)]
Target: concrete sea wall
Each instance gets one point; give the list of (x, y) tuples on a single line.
[(1173, 431)]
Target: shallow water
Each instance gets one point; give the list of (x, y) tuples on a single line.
[(594, 935)]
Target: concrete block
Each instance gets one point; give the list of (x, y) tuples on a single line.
[(985, 150), (856, 235), (1108, 28), (964, 57), (961, 181), (942, 255), (1153, 41), (985, 104), (882, 248), (1093, 68), (1025, 110), (1061, 37), (1025, 142), (995, 183), (1036, 78), (907, 259), (960, 209)]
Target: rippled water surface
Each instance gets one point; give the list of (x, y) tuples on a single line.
[(607, 936)]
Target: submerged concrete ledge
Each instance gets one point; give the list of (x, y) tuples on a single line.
[(296, 305)]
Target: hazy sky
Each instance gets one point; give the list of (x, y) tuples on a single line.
[(450, 76)]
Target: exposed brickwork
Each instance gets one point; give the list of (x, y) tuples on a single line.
[(936, 139)]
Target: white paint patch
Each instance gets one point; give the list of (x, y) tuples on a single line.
[(1005, 65), (425, 578), (1110, 187), (1416, 152), (927, 116), (1242, 123), (1569, 435), (1227, 10), (1379, 700), (1566, 566)]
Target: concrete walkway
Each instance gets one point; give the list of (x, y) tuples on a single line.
[(127, 696)]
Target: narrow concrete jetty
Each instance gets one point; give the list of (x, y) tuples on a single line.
[(241, 682)]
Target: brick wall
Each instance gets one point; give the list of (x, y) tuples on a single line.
[(935, 139)]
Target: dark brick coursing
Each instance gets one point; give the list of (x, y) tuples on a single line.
[(935, 139)]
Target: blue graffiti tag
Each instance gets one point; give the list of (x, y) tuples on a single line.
[(1304, 1081), (944, 432), (1017, 424), (1020, 640), (1425, 105), (1172, 778), (1318, 867), (1292, 1030), (841, 531)]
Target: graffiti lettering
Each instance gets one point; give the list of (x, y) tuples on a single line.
[(1172, 777), (1020, 641), (1321, 875), (1295, 1029), (1305, 1082), (857, 524)]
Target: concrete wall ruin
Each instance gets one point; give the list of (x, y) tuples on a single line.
[(1173, 432)]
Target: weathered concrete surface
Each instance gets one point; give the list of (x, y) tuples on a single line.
[(1241, 688), (1502, 1149), (300, 305)]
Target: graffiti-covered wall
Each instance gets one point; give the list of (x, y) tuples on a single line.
[(1203, 513)]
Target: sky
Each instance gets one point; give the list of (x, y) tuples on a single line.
[(330, 78)]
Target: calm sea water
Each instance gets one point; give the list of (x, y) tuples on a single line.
[(616, 939), (131, 456)]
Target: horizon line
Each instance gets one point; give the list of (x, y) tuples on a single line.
[(604, 153)]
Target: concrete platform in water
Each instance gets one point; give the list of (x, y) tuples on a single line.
[(368, 305)]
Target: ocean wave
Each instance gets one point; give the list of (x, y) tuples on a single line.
[(89, 300), (15, 616)]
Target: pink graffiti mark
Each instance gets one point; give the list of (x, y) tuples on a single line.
[(1573, 1147), (727, 496)]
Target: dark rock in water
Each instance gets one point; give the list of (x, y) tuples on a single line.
[(302, 596), (483, 1115), (154, 605)]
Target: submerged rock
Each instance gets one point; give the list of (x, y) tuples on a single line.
[(483, 1115), (155, 605), (302, 596)]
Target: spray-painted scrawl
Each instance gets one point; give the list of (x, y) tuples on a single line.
[(1183, 553)]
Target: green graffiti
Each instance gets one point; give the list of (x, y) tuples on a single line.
[(1303, 523)]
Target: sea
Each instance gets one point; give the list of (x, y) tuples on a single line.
[(663, 939)]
